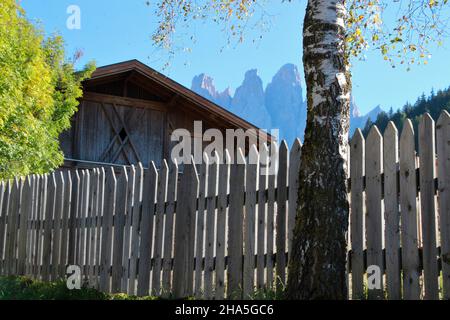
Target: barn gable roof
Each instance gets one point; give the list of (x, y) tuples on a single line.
[(171, 90)]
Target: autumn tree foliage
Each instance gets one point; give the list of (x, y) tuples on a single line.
[(39, 89)]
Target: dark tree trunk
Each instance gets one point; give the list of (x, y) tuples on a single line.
[(317, 267)]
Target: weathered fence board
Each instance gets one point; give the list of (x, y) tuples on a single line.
[(222, 213), (294, 183), (262, 212), (391, 212), (281, 215), (374, 209), (127, 228), (357, 164), (427, 166), (119, 225), (249, 223), (169, 226), (443, 159), (146, 228), (159, 228), (408, 203), (271, 209), (235, 227), (134, 235), (185, 232), (210, 225), (107, 229), (200, 225)]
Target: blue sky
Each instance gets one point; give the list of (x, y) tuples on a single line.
[(116, 30)]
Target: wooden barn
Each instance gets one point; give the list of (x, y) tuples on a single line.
[(128, 112)]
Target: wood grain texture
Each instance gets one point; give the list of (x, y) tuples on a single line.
[(222, 212), (357, 213), (203, 171), (235, 227), (261, 221), (107, 229), (172, 188), (443, 159), (249, 223), (159, 228), (408, 204), (374, 210), (210, 225), (427, 164), (149, 192), (281, 219), (183, 282), (391, 212), (294, 183), (119, 224)]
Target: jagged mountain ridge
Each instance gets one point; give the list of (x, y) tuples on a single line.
[(279, 106)]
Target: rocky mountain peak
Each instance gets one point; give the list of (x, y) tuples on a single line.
[(279, 106), (288, 74), (204, 86)]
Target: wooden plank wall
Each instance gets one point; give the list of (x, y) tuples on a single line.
[(223, 230)]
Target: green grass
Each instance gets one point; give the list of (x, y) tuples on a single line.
[(23, 288)]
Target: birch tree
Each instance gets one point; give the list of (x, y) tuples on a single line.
[(334, 31)]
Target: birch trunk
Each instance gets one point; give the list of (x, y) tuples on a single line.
[(317, 267)]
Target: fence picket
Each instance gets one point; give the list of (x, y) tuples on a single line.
[(159, 228), (25, 208), (65, 223), (107, 229), (100, 209), (374, 210), (11, 233), (235, 227), (391, 212), (294, 183), (83, 214), (271, 209), (137, 208), (428, 205), (5, 190), (30, 227), (408, 205), (281, 215), (73, 219), (185, 232), (357, 165), (213, 172), (131, 189), (168, 228), (119, 224), (93, 225), (200, 224), (146, 228), (443, 160), (56, 240), (222, 213), (249, 223), (262, 212), (49, 214)]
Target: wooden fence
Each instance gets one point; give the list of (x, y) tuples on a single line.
[(223, 230)]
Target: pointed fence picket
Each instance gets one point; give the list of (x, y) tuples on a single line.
[(221, 229)]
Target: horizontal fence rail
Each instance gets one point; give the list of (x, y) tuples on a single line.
[(222, 230)]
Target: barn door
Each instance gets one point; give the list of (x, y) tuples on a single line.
[(112, 133)]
